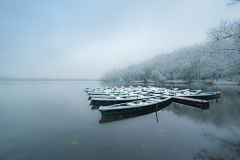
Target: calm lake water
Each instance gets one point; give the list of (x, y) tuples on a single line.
[(54, 120)]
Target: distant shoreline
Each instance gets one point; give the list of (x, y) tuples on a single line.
[(44, 79), (207, 82)]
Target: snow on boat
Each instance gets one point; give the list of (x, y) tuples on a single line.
[(89, 89), (107, 92), (117, 100), (182, 92), (114, 95), (206, 96), (135, 106)]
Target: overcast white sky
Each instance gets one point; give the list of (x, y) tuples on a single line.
[(84, 39)]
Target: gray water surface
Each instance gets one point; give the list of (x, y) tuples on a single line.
[(54, 120)]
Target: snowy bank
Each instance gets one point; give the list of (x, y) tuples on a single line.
[(222, 81)]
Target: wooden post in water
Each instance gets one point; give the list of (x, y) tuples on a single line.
[(216, 97), (156, 107), (157, 117), (156, 112)]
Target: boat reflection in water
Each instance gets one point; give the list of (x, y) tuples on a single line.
[(111, 118), (202, 104), (116, 117)]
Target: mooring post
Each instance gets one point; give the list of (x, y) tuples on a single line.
[(157, 116), (216, 97)]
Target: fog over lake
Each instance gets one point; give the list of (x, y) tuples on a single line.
[(85, 39), (52, 51)]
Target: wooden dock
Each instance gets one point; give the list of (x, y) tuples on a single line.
[(202, 104)]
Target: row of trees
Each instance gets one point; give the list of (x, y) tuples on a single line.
[(218, 57), (233, 2)]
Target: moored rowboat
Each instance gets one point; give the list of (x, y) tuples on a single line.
[(206, 96), (138, 105), (134, 106), (117, 100)]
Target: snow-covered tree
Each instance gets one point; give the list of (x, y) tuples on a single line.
[(218, 57), (223, 48), (233, 2)]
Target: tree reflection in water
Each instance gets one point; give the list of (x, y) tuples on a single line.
[(222, 150)]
